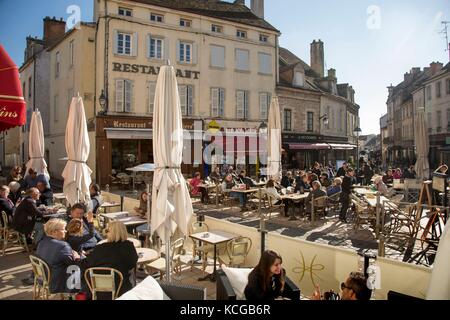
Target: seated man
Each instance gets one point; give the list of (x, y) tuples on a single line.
[(246, 180), (302, 184), (286, 180), (46, 197), (335, 187), (6, 204), (354, 288), (30, 180), (228, 185), (388, 178), (215, 175), (317, 192), (324, 180), (78, 211)]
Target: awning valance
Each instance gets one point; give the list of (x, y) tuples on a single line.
[(145, 134), (321, 146)]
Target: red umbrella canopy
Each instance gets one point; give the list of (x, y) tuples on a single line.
[(12, 104)]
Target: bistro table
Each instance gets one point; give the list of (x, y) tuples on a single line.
[(115, 215), (294, 197), (376, 201), (213, 237), (146, 255), (108, 205)]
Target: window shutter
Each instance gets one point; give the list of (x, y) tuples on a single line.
[(221, 102), (151, 96), (190, 100), (134, 50), (182, 94), (116, 42), (166, 49), (239, 104), (128, 95), (119, 95), (214, 102), (178, 50), (263, 105), (246, 98), (194, 53), (149, 36)]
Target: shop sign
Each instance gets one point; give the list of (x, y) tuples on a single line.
[(130, 125), (140, 68)]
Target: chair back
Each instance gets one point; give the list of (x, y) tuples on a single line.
[(103, 280), (320, 202), (198, 227), (176, 249), (5, 220), (238, 250), (42, 277)]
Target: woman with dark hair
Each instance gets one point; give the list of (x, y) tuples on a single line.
[(267, 279), (96, 198)]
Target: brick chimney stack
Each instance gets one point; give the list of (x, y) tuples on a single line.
[(53, 30), (257, 7), (317, 57), (435, 67)]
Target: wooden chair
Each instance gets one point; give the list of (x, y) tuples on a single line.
[(268, 208), (333, 202), (363, 213), (319, 207), (201, 250), (103, 280), (42, 278), (11, 235), (237, 251), (176, 251)]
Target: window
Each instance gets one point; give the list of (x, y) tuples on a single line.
[(125, 12), (124, 41), (156, 17), (217, 102), (242, 60), (428, 92), (438, 89), (185, 23), (55, 108), (310, 121), (264, 103), (186, 93), (151, 96), (217, 29), (156, 48), (217, 56), (71, 48), (29, 87), (185, 52), (287, 120), (242, 104), (123, 95), (58, 64), (241, 34), (447, 84), (299, 79), (265, 63), (263, 38)]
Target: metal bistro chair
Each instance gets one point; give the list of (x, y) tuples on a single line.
[(42, 277), (268, 208), (9, 234), (237, 251), (176, 251), (103, 280), (201, 250)]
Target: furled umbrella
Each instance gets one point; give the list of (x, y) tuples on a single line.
[(171, 202), (12, 104), (422, 145), (77, 174), (274, 141), (36, 146)]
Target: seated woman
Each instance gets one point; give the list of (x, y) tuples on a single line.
[(15, 175), (75, 237), (335, 187), (14, 194), (57, 253), (96, 198), (196, 189), (228, 185), (272, 192), (381, 187), (267, 279), (302, 183), (117, 253), (143, 229)]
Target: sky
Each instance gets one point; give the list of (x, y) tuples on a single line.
[(370, 43)]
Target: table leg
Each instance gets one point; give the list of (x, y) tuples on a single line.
[(212, 276)]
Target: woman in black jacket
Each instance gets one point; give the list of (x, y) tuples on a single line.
[(117, 253), (267, 279)]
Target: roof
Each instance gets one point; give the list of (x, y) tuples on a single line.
[(68, 33), (216, 9)]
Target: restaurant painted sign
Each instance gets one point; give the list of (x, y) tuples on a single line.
[(140, 68)]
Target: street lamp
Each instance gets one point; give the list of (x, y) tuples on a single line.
[(102, 101), (325, 120), (357, 131)]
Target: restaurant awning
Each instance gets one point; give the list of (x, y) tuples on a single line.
[(308, 146), (342, 146), (145, 134)]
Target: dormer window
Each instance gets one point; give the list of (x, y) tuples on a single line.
[(156, 17), (185, 23), (299, 79), (216, 28), (125, 12), (241, 34), (263, 38)]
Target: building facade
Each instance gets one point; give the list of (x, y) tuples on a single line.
[(318, 114)]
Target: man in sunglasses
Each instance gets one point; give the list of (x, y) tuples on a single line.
[(354, 288)]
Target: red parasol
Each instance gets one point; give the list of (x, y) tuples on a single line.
[(12, 103)]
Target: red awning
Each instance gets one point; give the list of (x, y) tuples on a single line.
[(12, 103), (308, 146)]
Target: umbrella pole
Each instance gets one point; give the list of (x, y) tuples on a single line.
[(168, 260), (148, 212)]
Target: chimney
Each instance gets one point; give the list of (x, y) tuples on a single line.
[(239, 2), (317, 57), (53, 30), (332, 73), (435, 67), (407, 77), (391, 89), (415, 70), (257, 7)]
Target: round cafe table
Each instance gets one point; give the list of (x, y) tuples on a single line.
[(136, 242), (146, 255)]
